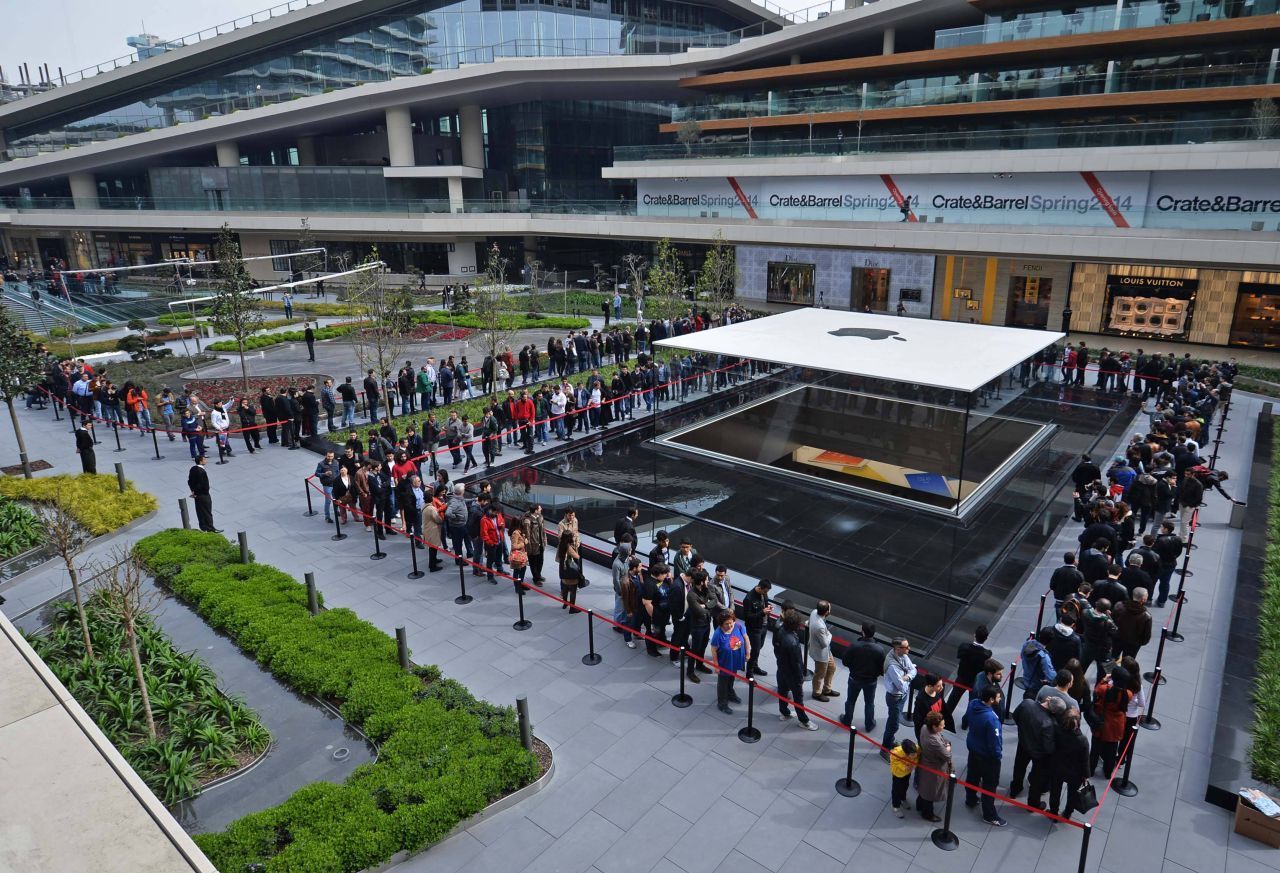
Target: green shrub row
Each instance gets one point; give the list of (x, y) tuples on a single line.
[(1264, 755), (443, 754), (511, 322), (285, 336)]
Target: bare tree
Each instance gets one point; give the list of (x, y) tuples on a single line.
[(1265, 119), (689, 134), (635, 264), (719, 275), (666, 280), (309, 263), (236, 309), (62, 532), (124, 592), (387, 313), (491, 305)]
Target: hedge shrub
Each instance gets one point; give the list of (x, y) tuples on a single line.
[(94, 501), (443, 754), (513, 321), (1264, 754), (274, 339)]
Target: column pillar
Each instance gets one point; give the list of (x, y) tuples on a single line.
[(306, 151), (84, 190), (456, 201), (399, 137), (471, 122), (462, 260), (228, 154), (889, 36)]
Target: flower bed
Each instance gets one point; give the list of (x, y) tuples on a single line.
[(94, 501), (444, 755), (440, 333), (201, 734), (225, 388), (267, 340)]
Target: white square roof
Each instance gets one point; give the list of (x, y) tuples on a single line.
[(941, 354)]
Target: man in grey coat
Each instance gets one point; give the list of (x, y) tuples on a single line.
[(824, 662), (621, 555)]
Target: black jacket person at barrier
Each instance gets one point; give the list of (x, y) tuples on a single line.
[(198, 485), (1036, 732), (268, 406), (84, 446), (756, 611)]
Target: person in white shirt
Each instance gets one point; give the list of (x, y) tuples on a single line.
[(824, 662), (220, 422), (558, 404)]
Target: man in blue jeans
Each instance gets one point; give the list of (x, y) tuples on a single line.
[(898, 673), (865, 660), (986, 748)]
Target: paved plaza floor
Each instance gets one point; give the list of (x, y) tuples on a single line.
[(643, 786)]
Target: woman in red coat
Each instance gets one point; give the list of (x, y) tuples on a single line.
[(1110, 706)]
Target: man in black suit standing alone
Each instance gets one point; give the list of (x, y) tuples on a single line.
[(84, 446), (310, 336), (198, 484)]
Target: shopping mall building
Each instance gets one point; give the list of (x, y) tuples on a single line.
[(1000, 161)]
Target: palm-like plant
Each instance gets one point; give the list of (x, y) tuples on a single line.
[(256, 736)]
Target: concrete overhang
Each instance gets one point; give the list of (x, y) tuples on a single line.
[(433, 172)]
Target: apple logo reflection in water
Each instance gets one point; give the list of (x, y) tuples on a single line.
[(871, 333)]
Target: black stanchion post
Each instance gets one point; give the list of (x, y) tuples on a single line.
[(120, 482), (1151, 676), (93, 431), (378, 554), (1179, 600), (942, 837), (413, 557), (1124, 785), (848, 786), (808, 674), (750, 733), (1007, 718), (243, 537), (311, 510), (591, 658), (464, 598), (313, 596), (115, 428), (521, 624), (682, 699), (185, 512), (57, 417), (1040, 614), (1149, 721), (1084, 846), (156, 442), (337, 527), (402, 648), (526, 727)]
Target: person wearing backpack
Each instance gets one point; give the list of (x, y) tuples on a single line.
[(1142, 499), (1168, 546), (455, 522), (1037, 665)]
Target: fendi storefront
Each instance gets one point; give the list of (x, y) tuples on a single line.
[(1177, 304)]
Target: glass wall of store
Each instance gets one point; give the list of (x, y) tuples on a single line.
[(1256, 321)]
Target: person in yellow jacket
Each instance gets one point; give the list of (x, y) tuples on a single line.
[(902, 760)]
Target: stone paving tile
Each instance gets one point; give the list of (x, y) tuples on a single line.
[(578, 848), (711, 839), (646, 842)]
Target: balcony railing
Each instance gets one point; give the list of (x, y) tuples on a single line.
[(980, 89), (1083, 136)]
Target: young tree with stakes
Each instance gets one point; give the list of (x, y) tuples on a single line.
[(490, 304), (719, 276), (308, 263), (124, 592), (386, 312), (235, 308), (21, 366), (665, 297), (62, 532)]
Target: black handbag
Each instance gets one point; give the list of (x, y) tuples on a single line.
[(1086, 797)]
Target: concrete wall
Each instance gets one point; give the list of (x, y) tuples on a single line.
[(833, 270)]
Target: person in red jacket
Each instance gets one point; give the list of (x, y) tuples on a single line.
[(1110, 704), (525, 412), (492, 532)]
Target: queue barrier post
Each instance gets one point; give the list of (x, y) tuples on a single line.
[(413, 558), (592, 657), (682, 699), (378, 554), (463, 598), (808, 674), (93, 431), (1149, 721), (521, 624), (1151, 676), (526, 727), (750, 733), (120, 480), (57, 417), (243, 538), (1124, 786), (848, 786), (943, 837), (402, 648), (1007, 717), (115, 428), (338, 535), (313, 596), (1084, 846), (1177, 616), (185, 513), (1040, 614), (155, 441), (311, 510)]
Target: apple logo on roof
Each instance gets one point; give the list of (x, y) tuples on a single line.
[(871, 333)]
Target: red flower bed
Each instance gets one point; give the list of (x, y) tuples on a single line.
[(439, 333), (222, 390)]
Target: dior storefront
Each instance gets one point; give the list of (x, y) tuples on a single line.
[(837, 278)]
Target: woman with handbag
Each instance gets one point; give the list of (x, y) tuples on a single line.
[(1111, 699), (519, 558), (433, 526), (537, 542), (1069, 767), (570, 561), (935, 760)]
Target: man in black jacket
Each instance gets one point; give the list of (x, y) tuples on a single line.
[(1065, 580), (1095, 561), (310, 336), (660, 554), (1168, 545), (1036, 720), (865, 661), (284, 413), (198, 485), (756, 612), (84, 446), (1109, 587), (371, 394), (655, 598), (970, 658), (1085, 472), (626, 526), (268, 406)]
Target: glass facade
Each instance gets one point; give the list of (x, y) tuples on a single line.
[(419, 38)]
